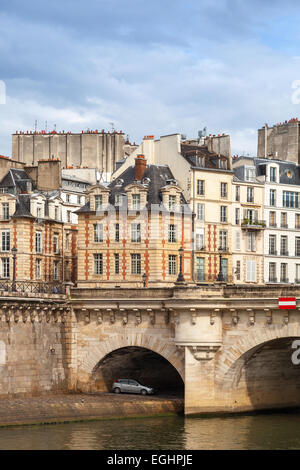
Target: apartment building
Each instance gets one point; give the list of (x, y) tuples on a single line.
[(282, 215), (248, 223), (136, 231), (31, 224)]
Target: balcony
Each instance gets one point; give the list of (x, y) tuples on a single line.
[(284, 253), (200, 278), (200, 248), (284, 225), (273, 252), (273, 279), (249, 224), (32, 287), (284, 280), (272, 225)]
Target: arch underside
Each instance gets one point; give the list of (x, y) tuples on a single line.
[(138, 356), (258, 373)]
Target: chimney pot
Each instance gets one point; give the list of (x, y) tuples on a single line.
[(140, 167)]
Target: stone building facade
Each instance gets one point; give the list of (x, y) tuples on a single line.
[(130, 232)]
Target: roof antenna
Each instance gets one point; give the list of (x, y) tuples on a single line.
[(112, 124)]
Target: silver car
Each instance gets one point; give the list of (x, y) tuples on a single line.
[(131, 386)]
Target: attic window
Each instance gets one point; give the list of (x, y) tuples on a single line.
[(171, 181)]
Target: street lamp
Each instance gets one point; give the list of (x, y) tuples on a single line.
[(14, 253), (144, 279), (180, 275), (220, 277)]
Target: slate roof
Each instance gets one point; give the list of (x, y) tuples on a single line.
[(190, 152), (155, 178), (16, 181)]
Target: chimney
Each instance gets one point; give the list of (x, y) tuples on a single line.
[(140, 167)]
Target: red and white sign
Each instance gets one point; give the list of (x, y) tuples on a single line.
[(287, 303)]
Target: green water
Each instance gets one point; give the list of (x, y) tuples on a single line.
[(264, 431)]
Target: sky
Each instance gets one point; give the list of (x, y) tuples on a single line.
[(150, 68)]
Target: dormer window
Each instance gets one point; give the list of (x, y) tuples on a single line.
[(273, 174), (136, 201), (172, 202), (118, 200), (250, 174), (98, 202), (39, 212)]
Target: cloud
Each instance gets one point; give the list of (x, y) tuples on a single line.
[(149, 67)]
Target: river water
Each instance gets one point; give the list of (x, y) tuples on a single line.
[(262, 431)]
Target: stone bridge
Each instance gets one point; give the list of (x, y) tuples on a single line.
[(230, 347)]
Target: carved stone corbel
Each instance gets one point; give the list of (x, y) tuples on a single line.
[(112, 315), (269, 317), (151, 315), (124, 316), (234, 316), (138, 316), (193, 316), (251, 314), (99, 316)]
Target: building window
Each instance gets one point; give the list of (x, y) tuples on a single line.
[(38, 242), (224, 267), (39, 212), (290, 199), (237, 241), (237, 193), (5, 210), (117, 232), (172, 265), (200, 212), (284, 246), (67, 241), (272, 197), (117, 263), (251, 271), (272, 272), (55, 270), (223, 239), (297, 220), (238, 271), (69, 216), (223, 214), (200, 187), (172, 202), (98, 233), (250, 174), (98, 202), (273, 174), (237, 216), (272, 245), (55, 244), (5, 244), (172, 233), (5, 268), (200, 269), (272, 219), (297, 279), (136, 264), (136, 233), (284, 272), (199, 241), (38, 269), (250, 194), (136, 202), (68, 198), (223, 189), (284, 223), (56, 212), (251, 241), (297, 247), (98, 263)]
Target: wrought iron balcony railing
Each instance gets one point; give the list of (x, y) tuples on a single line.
[(32, 287), (253, 224)]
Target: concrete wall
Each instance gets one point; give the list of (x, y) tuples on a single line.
[(88, 149), (279, 142)]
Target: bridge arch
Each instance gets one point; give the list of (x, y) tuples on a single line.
[(97, 351), (257, 371)]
